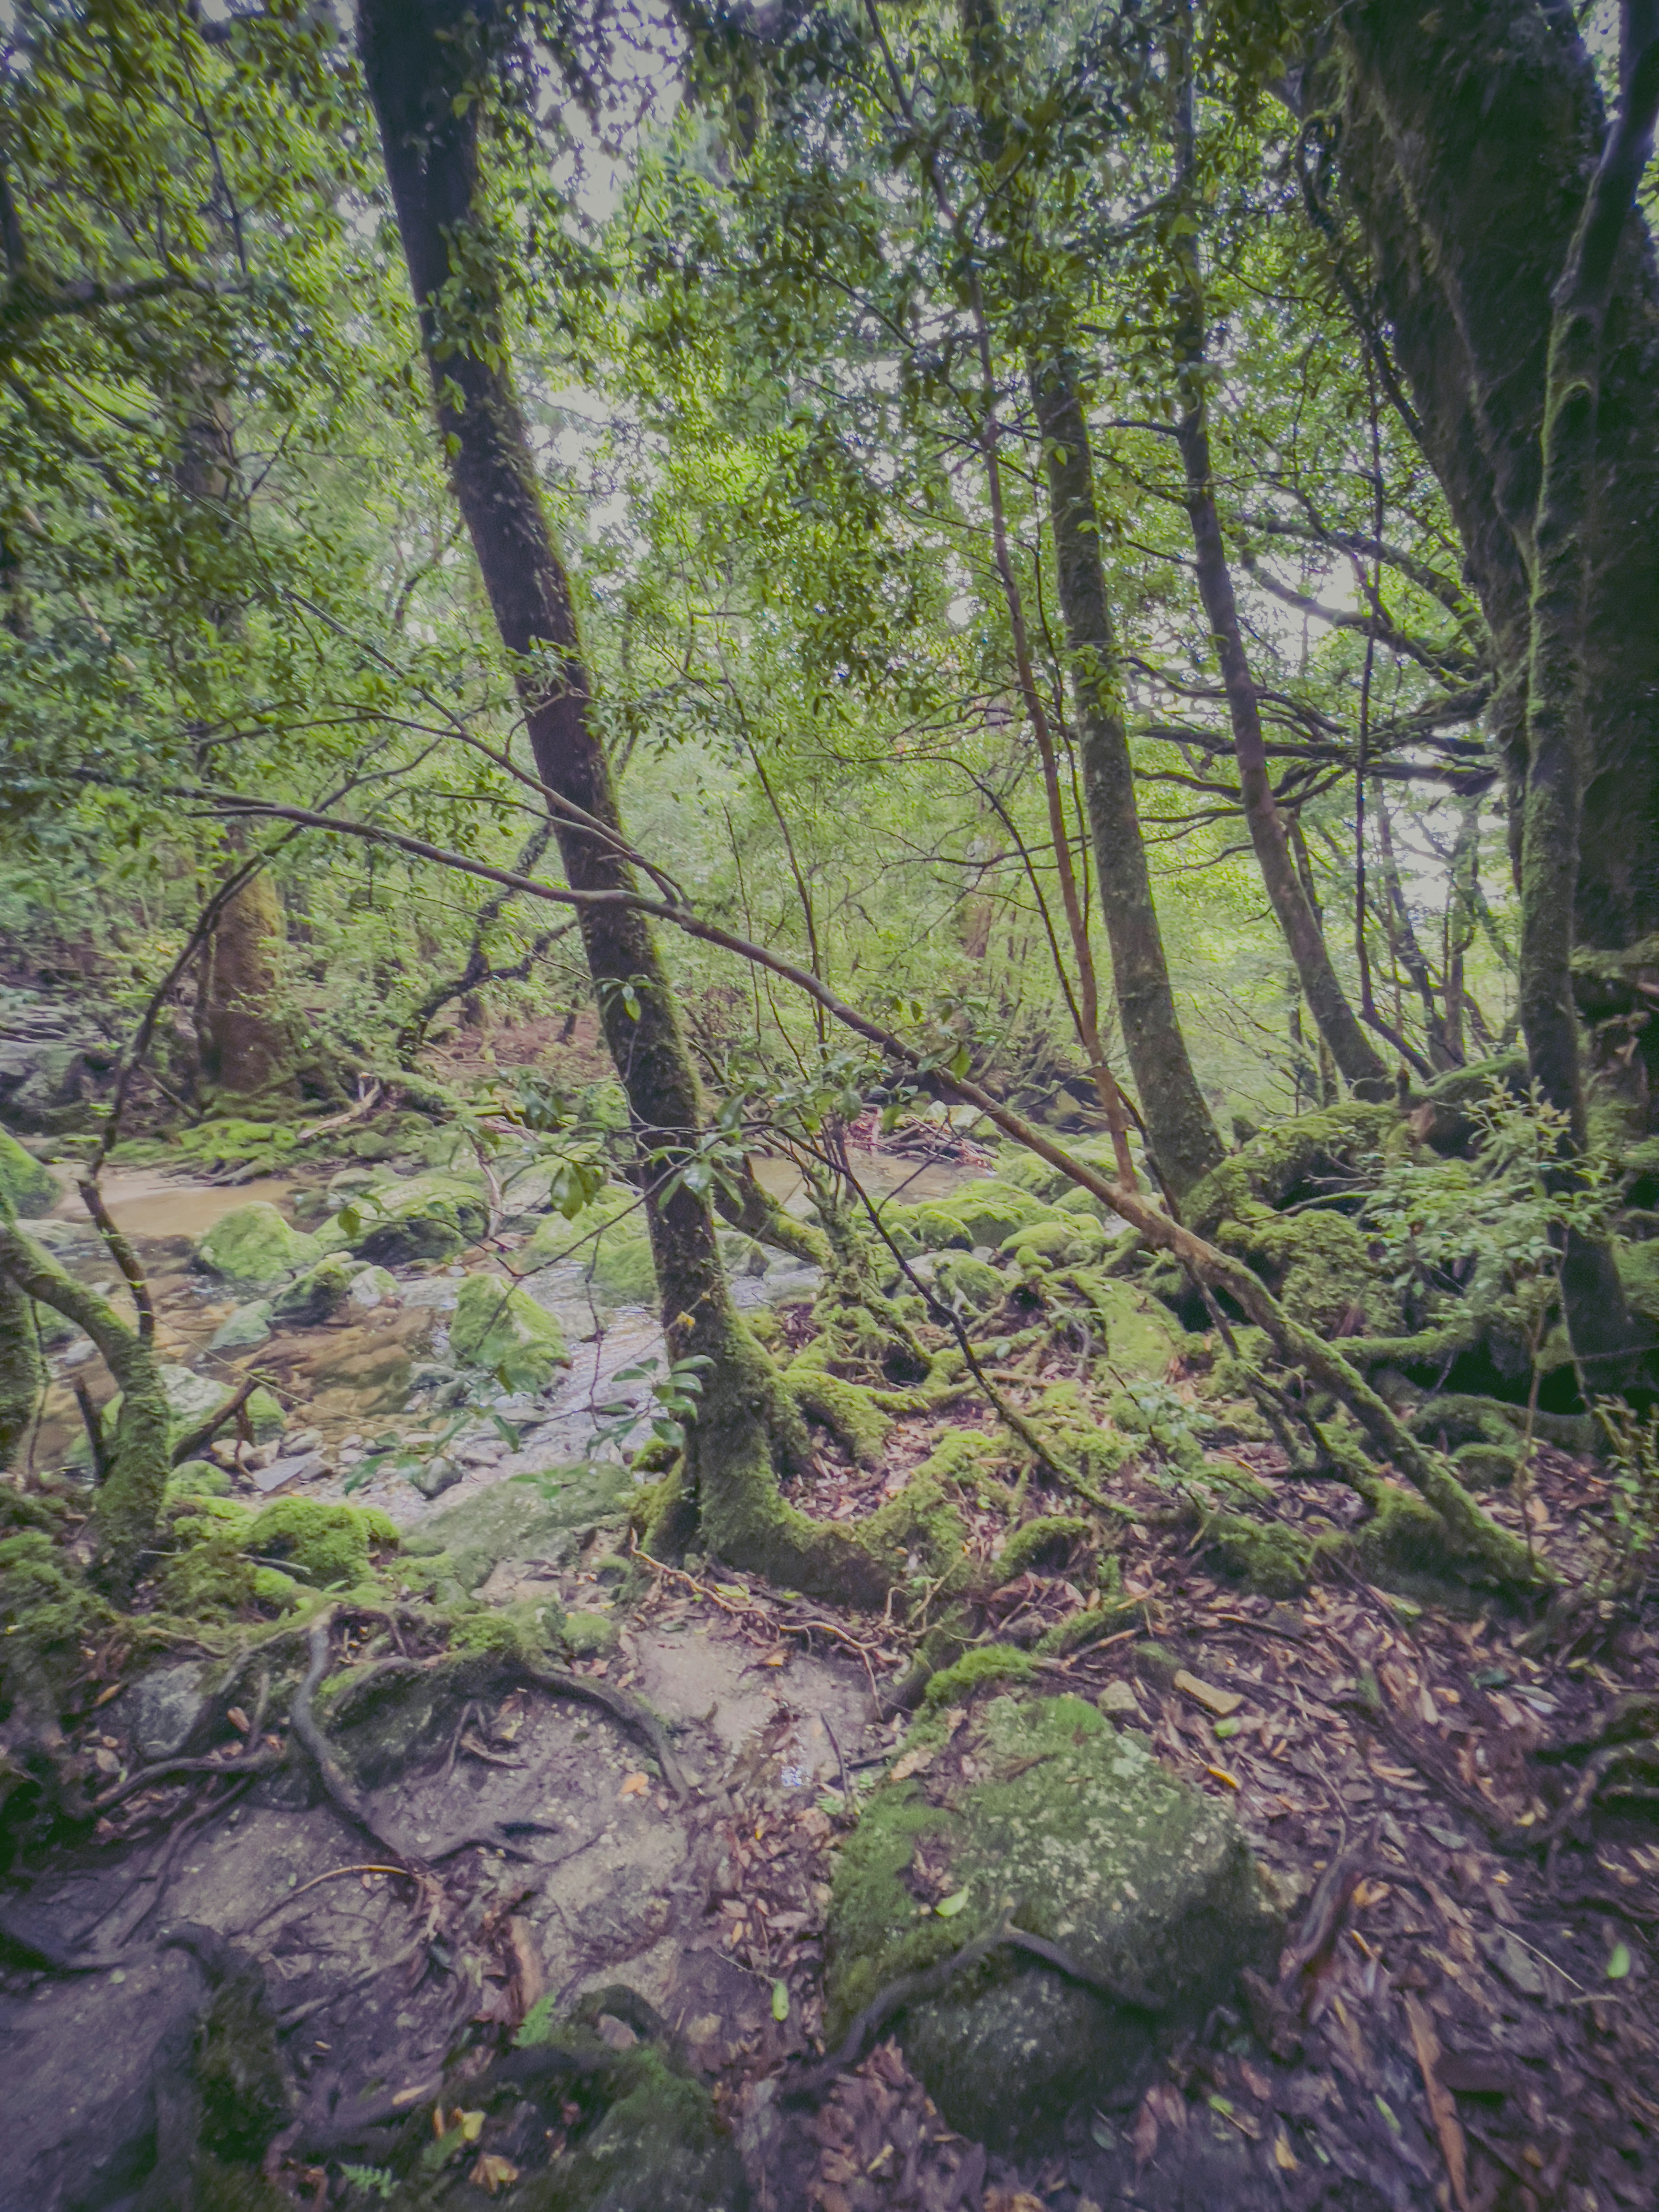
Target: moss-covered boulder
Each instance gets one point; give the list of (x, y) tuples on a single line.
[(608, 1240), (497, 1326), (1067, 1241), (249, 1325), (430, 1217), (543, 1519), (970, 1285), (315, 1297), (1138, 1336), (326, 1544), (255, 1246), (1320, 1267), (31, 1188), (1084, 1839), (1301, 1157)]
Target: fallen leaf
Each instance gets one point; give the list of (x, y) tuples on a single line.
[(471, 2125), (1618, 1964), (1218, 1702), (780, 2001), (104, 1696), (493, 2172), (239, 1720), (1442, 2109), (909, 1763), (1220, 1774), (1012, 2200), (1284, 2157), (948, 1907), (636, 1786)]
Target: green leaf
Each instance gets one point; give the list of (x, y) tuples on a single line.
[(1618, 1964), (948, 1907), (779, 2000)]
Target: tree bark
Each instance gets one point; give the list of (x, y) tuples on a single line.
[(1469, 140), (246, 1048), (417, 56), (1353, 1052), (1179, 1127)]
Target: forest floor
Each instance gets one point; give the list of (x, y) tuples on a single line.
[(1474, 2021)]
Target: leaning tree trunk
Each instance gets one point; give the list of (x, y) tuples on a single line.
[(418, 55), (1180, 1133), (1353, 1052), (1525, 308)]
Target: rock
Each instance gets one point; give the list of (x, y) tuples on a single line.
[(265, 1417), (249, 1324), (254, 1245), (168, 1707), (1067, 1243), (431, 1217), (316, 1297), (48, 1065), (198, 1478), (191, 1397), (542, 1521), (1145, 1882), (435, 1476), (1119, 1699), (499, 1326), (372, 1286), (589, 1635), (608, 1241), (294, 1466), (970, 1284), (31, 1188), (1140, 1333)]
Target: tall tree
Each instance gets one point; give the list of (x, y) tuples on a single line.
[(430, 65), (1523, 296)]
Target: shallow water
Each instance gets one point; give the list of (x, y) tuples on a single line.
[(146, 1202)]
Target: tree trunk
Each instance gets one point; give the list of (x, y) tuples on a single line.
[(1470, 139), (1179, 1128), (1353, 1050), (246, 1047), (417, 56)]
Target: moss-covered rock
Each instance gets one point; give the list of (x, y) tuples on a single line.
[(1138, 1336), (31, 1188), (315, 1297), (249, 1325), (1087, 1841), (1047, 1541), (970, 1285), (325, 1543), (609, 1241), (1320, 1267), (1276, 1166), (430, 1217), (497, 1326), (543, 1520), (255, 1246), (1267, 1556)]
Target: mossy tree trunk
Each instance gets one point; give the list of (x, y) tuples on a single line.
[(23, 1370), (1179, 1126), (1523, 288), (418, 55), (129, 1498)]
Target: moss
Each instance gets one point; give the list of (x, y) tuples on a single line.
[(608, 1239), (1093, 1845), (589, 1635), (239, 2069), (515, 1632), (1486, 1466), (1321, 1268), (848, 1412), (316, 1297), (254, 1245), (1404, 1545), (198, 1478), (46, 1614), (1068, 1244), (1264, 1556), (1638, 1271), (920, 1535), (970, 1285), (1048, 1541), (986, 1663), (499, 1326), (1137, 1334), (30, 1188), (1274, 1166), (326, 1544), (1075, 1433), (22, 1368)]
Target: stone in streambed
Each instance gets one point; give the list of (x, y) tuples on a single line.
[(1088, 1841), (315, 1297), (254, 1245), (498, 1326), (249, 1325)]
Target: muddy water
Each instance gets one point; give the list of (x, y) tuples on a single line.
[(146, 1203)]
